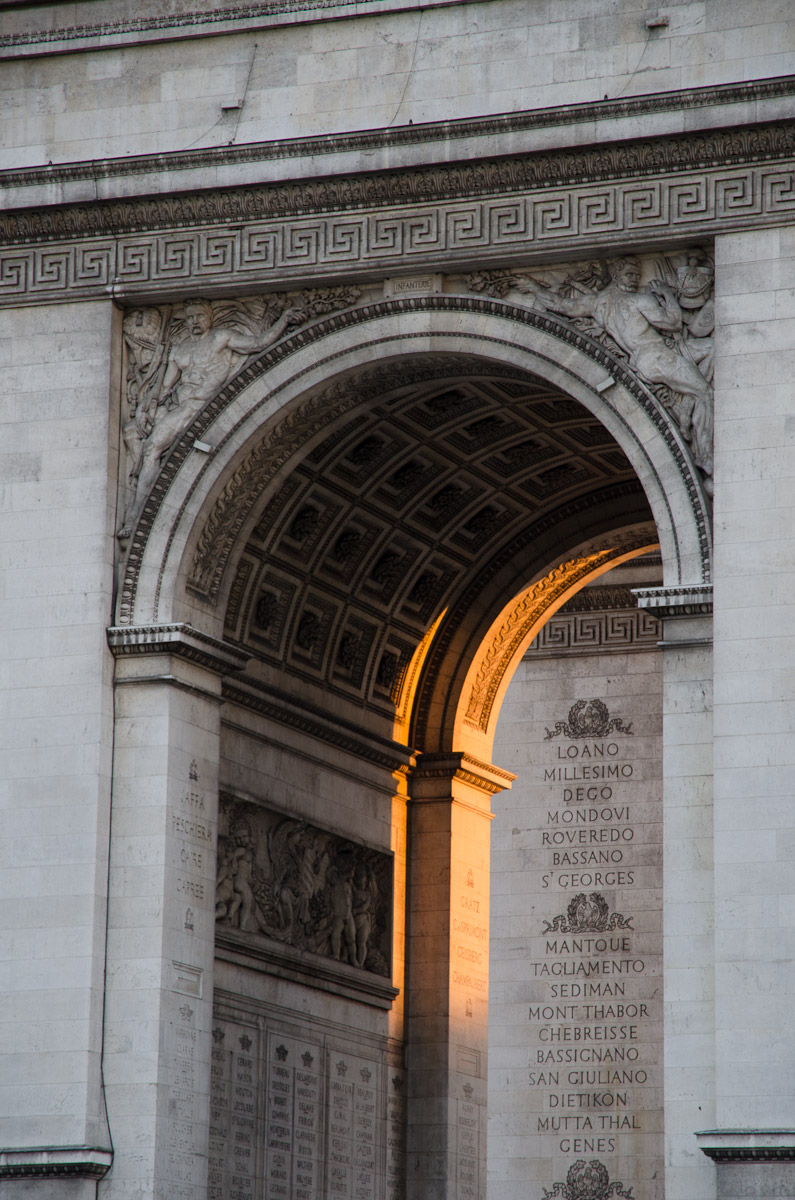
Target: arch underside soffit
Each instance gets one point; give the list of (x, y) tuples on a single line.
[(444, 493), (357, 506)]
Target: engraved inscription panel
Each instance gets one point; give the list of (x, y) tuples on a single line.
[(302, 1112), (586, 1019), (292, 1130), (352, 1125), (232, 1169)]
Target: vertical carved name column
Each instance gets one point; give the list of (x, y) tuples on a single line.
[(161, 927), (448, 975), (595, 1017)]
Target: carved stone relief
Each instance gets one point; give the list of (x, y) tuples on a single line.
[(538, 204), (663, 327), (179, 358), (285, 879)]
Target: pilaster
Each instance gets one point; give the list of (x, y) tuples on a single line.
[(448, 975), (688, 955), (754, 671), (161, 926)]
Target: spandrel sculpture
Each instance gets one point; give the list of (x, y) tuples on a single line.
[(663, 328), (179, 359)]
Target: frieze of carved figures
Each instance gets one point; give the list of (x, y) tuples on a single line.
[(663, 328), (179, 358), (291, 881)]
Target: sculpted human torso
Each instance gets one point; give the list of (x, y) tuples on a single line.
[(648, 325)]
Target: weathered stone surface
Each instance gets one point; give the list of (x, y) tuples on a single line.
[(416, 410)]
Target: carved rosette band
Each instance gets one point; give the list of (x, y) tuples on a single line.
[(526, 614)]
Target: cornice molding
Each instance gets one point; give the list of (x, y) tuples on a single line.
[(55, 1162), (664, 602), (432, 769), (258, 952), (426, 133), (278, 706), (747, 1145), (180, 639)]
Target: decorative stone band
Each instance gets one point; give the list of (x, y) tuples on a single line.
[(324, 726), (48, 1162), (521, 210), (432, 769), (747, 1145), (181, 639), (300, 967), (226, 19), (685, 601)]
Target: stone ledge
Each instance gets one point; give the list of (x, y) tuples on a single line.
[(47, 1162), (424, 133), (327, 727), (486, 777), (694, 601), (286, 962), (181, 639), (747, 1145)]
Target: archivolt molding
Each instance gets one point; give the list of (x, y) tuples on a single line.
[(232, 506), (531, 607), (502, 211)]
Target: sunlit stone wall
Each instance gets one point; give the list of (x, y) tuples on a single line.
[(575, 1044)]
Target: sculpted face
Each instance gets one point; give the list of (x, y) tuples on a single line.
[(628, 278), (199, 319)]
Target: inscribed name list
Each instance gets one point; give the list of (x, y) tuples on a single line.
[(595, 968)]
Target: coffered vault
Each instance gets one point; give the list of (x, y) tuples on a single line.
[(392, 463)]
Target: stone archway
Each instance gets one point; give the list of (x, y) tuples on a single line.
[(312, 593), (203, 503)]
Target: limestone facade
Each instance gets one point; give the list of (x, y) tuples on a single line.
[(359, 359)]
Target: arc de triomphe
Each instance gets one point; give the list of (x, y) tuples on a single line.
[(373, 369)]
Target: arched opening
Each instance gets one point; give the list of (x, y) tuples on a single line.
[(380, 518), (576, 900)]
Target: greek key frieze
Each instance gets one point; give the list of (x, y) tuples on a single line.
[(435, 234)]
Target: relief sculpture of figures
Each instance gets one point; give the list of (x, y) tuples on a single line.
[(178, 360), (286, 879), (663, 328)]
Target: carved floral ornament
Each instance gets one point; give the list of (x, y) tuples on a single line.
[(522, 618), (185, 364)]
